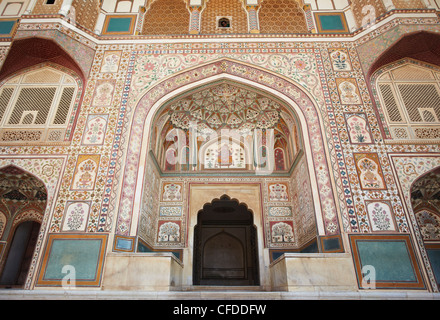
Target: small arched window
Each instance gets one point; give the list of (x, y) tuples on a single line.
[(409, 94), (37, 106)]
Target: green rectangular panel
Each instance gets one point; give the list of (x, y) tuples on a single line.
[(390, 259), (331, 22), (6, 26), (119, 25), (83, 255)]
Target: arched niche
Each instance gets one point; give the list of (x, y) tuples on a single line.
[(226, 126), (27, 55), (40, 105), (140, 129), (24, 198), (416, 46)]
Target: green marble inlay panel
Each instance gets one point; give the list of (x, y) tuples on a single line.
[(119, 25), (83, 255), (331, 22), (390, 259), (6, 27)]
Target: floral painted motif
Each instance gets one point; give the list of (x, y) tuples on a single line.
[(104, 94), (85, 173), (172, 192), (280, 211), (429, 224), (348, 91), (169, 232), (370, 172), (340, 60), (95, 130), (358, 128), (170, 211), (282, 232), (278, 192), (110, 62), (76, 216), (380, 216)]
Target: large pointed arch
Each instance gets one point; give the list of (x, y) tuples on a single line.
[(46, 170), (291, 93), (27, 52), (23, 223)]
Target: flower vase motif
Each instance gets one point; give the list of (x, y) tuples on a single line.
[(370, 173), (358, 130), (340, 61)]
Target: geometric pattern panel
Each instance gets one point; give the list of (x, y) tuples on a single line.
[(166, 17), (281, 16)]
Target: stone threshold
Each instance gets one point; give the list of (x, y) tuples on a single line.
[(78, 294)]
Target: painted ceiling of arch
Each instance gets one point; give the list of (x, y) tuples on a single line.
[(15, 184), (426, 191), (227, 106), (428, 186)]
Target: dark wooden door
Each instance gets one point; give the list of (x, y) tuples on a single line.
[(225, 251)]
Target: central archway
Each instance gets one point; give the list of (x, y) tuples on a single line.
[(225, 245)]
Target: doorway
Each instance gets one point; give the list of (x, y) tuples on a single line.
[(20, 254), (225, 245), (24, 197)]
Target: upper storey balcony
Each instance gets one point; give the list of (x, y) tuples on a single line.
[(209, 18)]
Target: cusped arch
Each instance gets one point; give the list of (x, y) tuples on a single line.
[(294, 96), (246, 212), (225, 250)]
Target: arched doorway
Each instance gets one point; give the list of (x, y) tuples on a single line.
[(23, 200), (225, 245), (20, 254)]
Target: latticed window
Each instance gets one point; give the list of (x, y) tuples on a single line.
[(410, 100), (35, 107)]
